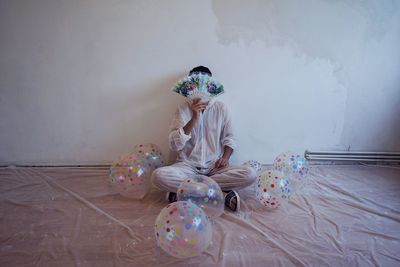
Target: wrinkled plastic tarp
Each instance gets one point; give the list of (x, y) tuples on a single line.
[(345, 216)]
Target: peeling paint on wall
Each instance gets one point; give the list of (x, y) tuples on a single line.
[(357, 38)]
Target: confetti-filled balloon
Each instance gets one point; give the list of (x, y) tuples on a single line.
[(204, 192), (183, 230), (272, 188), (151, 154), (254, 164), (130, 177), (293, 166)]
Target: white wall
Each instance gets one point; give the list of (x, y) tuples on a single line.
[(83, 81)]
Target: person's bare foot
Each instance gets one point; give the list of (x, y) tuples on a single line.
[(171, 197), (232, 200), (233, 203)]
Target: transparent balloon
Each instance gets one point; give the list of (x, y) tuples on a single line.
[(272, 189), (254, 164), (183, 230), (151, 154), (129, 176), (294, 166), (204, 192)]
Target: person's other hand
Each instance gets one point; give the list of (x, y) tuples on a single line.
[(221, 163), (197, 106)]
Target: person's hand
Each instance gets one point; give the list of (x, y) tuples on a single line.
[(221, 163), (197, 106)]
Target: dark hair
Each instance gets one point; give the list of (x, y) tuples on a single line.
[(201, 69)]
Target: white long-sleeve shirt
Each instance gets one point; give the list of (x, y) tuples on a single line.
[(203, 146)]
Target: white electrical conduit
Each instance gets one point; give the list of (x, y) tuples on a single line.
[(353, 156), (352, 159), (351, 153)]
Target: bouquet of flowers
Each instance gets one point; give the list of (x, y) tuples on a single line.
[(198, 84)]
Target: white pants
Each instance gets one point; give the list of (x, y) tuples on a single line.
[(232, 177)]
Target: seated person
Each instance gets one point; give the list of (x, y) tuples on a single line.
[(201, 133)]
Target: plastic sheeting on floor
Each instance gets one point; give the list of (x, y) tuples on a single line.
[(345, 216)]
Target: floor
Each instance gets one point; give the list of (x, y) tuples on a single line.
[(347, 215)]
